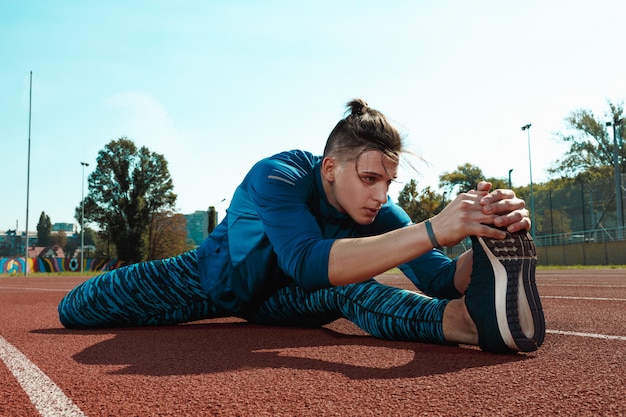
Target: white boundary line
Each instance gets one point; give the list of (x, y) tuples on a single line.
[(564, 297), (45, 395), (34, 289), (592, 335), (581, 285)]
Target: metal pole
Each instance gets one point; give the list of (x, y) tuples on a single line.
[(621, 187), (618, 185), (510, 183), (532, 194), (82, 220), (30, 101)]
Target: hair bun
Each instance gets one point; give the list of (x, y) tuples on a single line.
[(359, 107)]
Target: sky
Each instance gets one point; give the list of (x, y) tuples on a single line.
[(215, 86)]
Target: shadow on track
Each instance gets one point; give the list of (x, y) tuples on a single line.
[(201, 348)]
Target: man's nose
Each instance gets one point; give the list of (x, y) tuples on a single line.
[(380, 193)]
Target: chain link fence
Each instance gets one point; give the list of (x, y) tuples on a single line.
[(575, 224)]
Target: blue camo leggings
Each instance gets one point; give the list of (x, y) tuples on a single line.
[(168, 292)]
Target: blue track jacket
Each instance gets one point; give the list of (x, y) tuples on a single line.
[(280, 228)]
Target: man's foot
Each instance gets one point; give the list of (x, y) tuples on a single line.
[(502, 297)]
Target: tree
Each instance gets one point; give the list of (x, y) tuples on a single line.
[(44, 230), (59, 239), (71, 244), (466, 178), (105, 249), (168, 235), (591, 144), (418, 206), (424, 205), (127, 188)]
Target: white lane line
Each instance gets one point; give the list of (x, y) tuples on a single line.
[(564, 297), (582, 285), (592, 335), (45, 395), (34, 289)]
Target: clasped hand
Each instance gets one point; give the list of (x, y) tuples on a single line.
[(480, 212)]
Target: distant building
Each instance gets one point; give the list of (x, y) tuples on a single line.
[(68, 228), (12, 242), (199, 223), (197, 226)]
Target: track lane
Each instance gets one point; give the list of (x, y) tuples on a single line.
[(226, 367)]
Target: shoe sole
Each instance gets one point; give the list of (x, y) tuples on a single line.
[(518, 308)]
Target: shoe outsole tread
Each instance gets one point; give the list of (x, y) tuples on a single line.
[(518, 255)]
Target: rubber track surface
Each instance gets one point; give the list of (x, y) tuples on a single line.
[(230, 368)]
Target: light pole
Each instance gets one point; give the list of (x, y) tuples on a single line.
[(532, 194), (618, 182), (510, 183), (82, 220), (30, 100)]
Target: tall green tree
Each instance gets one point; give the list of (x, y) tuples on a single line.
[(44, 230), (126, 190), (591, 143)]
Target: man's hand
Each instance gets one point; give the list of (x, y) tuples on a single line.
[(510, 210), (477, 211)]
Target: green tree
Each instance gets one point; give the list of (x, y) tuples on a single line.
[(126, 190), (105, 248), (465, 178), (44, 230), (420, 206), (591, 144), (71, 244)]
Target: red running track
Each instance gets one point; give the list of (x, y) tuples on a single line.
[(230, 368)]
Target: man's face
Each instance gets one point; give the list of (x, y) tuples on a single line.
[(359, 188)]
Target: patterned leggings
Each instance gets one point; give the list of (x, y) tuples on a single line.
[(168, 292)]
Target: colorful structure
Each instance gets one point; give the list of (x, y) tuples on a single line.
[(16, 265)]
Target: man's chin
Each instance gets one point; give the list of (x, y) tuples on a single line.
[(365, 220)]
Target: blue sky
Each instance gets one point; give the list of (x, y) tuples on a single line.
[(217, 85)]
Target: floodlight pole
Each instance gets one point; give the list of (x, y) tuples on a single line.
[(30, 101), (618, 182), (82, 220), (532, 194)]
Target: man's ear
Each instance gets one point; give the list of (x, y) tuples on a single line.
[(328, 168)]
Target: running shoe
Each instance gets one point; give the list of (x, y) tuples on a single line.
[(502, 296)]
